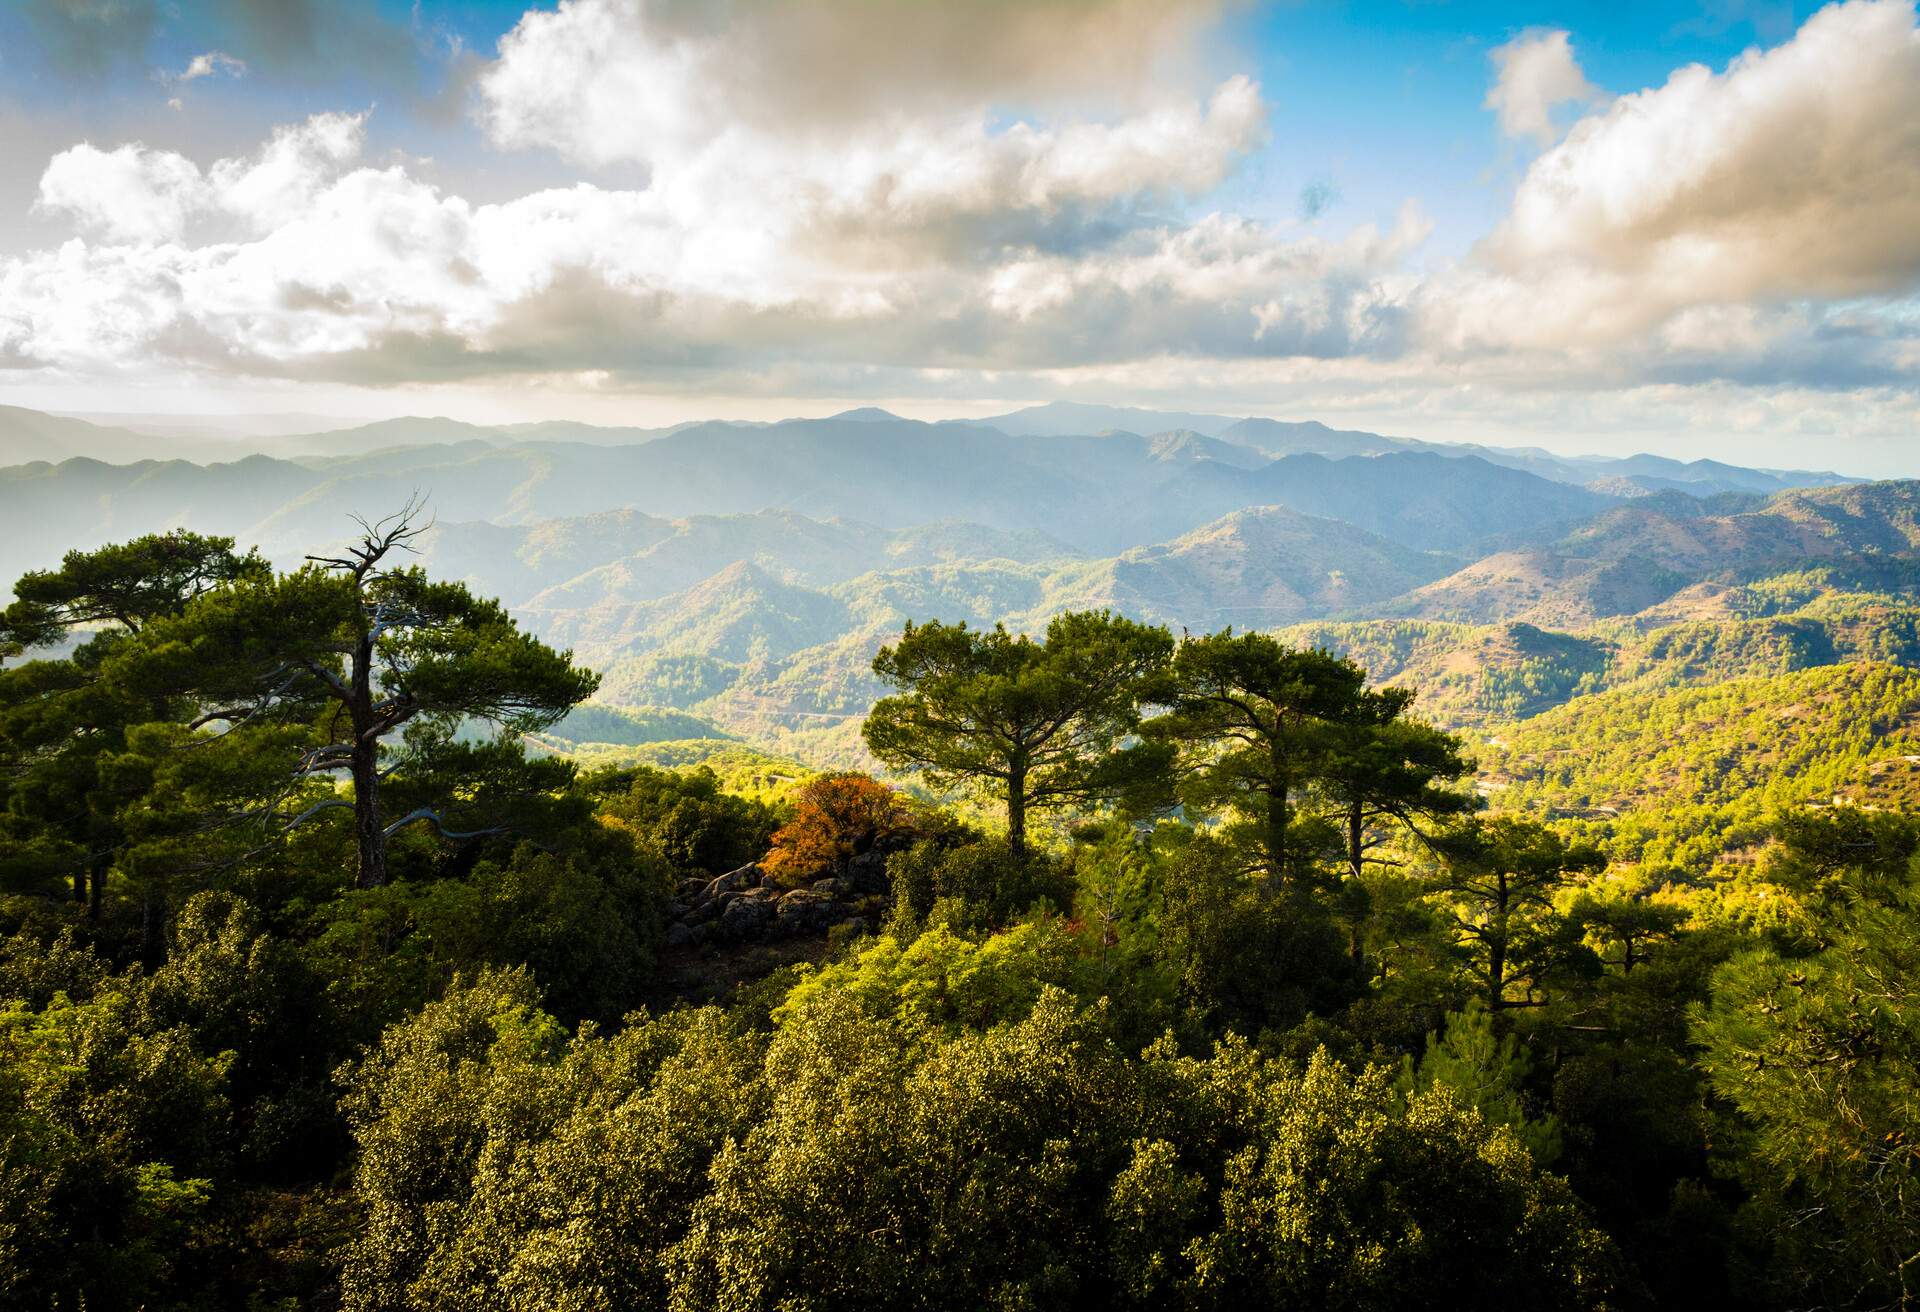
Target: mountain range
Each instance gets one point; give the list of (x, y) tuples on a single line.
[(736, 578)]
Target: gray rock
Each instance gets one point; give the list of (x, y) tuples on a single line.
[(733, 881), (744, 918)]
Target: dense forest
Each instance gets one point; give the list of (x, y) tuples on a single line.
[(1159, 971)]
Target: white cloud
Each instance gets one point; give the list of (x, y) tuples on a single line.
[(816, 133), (779, 216), (1537, 75), (282, 180), (1761, 219), (209, 63), (651, 80), (1757, 227), (1794, 173), (128, 193), (134, 194)]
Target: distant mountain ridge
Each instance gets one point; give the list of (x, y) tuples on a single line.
[(1096, 495), (27, 436), (1630, 558)]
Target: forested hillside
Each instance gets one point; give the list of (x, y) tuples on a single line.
[(1192, 969), (374, 943)]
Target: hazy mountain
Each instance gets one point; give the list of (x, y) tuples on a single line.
[(1181, 444), (1078, 419), (1468, 674), (1423, 499), (742, 613), (1310, 438), (1631, 558), (769, 659), (786, 546), (1253, 569), (1541, 587), (1099, 495), (30, 435), (27, 436)]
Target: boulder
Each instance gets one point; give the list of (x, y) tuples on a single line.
[(744, 918), (733, 881), (683, 935)]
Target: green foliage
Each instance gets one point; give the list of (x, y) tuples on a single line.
[(354, 651), (1254, 719), (1039, 725), (626, 726), (1675, 780), (1428, 1199), (125, 586), (1497, 880), (942, 983), (1487, 1072), (1245, 958), (1316, 1039), (584, 924), (685, 818), (109, 1130), (1819, 1050), (1017, 1171), (972, 885)]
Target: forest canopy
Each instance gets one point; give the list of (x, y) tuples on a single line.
[(1167, 972)]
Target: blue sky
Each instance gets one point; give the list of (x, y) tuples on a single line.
[(630, 210)]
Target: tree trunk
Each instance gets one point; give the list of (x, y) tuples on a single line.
[(1279, 811), (80, 882), (1356, 836), (368, 829), (369, 832), (1497, 947), (1017, 811)]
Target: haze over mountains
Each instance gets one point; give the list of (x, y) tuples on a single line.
[(738, 577)]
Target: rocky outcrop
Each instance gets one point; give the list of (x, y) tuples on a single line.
[(742, 906)]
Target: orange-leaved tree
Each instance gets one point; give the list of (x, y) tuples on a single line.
[(836, 817)]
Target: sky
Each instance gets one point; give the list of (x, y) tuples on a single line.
[(1692, 228)]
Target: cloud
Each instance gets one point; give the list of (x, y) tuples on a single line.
[(645, 80), (1754, 227), (1537, 74), (308, 263), (287, 174), (812, 130), (1794, 173), (1766, 216), (780, 216), (209, 63), (127, 194), (134, 194)]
